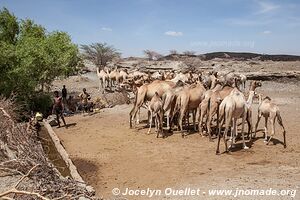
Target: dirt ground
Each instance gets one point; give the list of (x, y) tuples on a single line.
[(110, 155)]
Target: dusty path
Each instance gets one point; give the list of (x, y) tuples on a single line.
[(108, 155)]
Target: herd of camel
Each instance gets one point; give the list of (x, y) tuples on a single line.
[(219, 98)]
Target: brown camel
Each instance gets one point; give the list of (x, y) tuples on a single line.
[(269, 110), (146, 92), (188, 100)]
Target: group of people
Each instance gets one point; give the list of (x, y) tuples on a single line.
[(60, 102)]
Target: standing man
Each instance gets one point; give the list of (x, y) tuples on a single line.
[(64, 94), (58, 108)]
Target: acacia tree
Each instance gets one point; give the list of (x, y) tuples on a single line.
[(189, 53), (99, 53), (173, 51)]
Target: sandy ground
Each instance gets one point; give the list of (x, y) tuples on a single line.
[(110, 155)]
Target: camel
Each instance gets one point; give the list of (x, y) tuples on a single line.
[(146, 92), (169, 101), (168, 75), (233, 107), (123, 75), (156, 110), (270, 111), (113, 77), (189, 99), (210, 105), (212, 100), (203, 106), (103, 78), (157, 76), (243, 79)]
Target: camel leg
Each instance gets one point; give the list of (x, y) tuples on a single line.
[(219, 138), (256, 125), (233, 133), (156, 123), (194, 119), (181, 116), (138, 116), (249, 123), (243, 126), (202, 112), (273, 128), (212, 112), (168, 120), (150, 123), (266, 129), (225, 133), (100, 84)]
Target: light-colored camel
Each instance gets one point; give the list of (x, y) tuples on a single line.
[(270, 111), (211, 102), (156, 110), (103, 78), (243, 79), (123, 75), (146, 92), (188, 100), (233, 107), (113, 77), (157, 75)]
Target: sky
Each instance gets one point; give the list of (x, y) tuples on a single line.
[(131, 26)]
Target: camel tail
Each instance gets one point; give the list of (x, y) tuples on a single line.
[(279, 119), (177, 105)]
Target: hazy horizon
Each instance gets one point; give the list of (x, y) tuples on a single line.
[(255, 26)]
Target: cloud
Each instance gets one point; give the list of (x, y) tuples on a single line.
[(173, 33), (106, 29), (266, 7), (267, 32)]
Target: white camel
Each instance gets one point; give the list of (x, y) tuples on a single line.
[(269, 110), (103, 78), (233, 107)]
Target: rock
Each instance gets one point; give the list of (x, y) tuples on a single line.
[(52, 120)]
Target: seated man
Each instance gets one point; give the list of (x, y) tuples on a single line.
[(84, 96)]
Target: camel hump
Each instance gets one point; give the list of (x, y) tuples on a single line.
[(268, 98)]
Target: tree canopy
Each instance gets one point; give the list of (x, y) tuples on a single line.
[(30, 57), (99, 53)]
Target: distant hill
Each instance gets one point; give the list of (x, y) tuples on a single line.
[(235, 56)]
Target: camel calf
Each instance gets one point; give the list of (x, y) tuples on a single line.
[(270, 111), (156, 110)]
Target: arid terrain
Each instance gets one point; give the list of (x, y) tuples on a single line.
[(110, 155)]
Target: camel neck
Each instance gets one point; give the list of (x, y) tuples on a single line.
[(250, 98)]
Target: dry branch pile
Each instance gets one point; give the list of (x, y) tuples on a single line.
[(23, 159)]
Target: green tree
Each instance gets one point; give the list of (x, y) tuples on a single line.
[(99, 53), (31, 58)]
